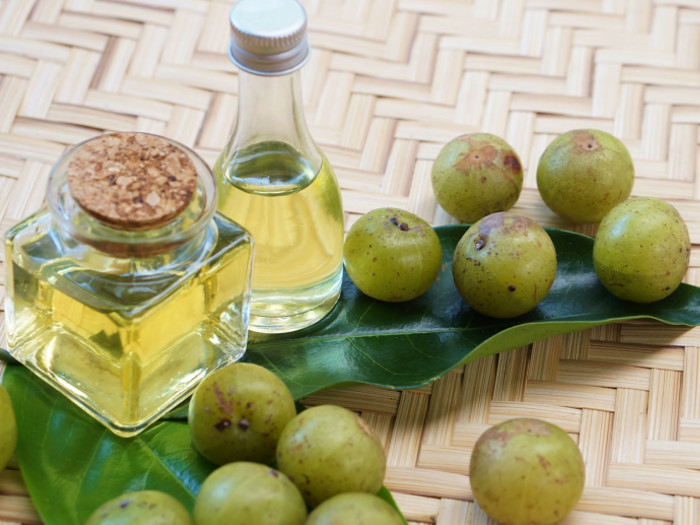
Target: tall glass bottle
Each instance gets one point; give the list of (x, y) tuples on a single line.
[(272, 177)]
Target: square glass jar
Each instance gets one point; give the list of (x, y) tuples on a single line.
[(125, 318)]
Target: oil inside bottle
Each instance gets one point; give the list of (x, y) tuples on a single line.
[(125, 338), (295, 215)]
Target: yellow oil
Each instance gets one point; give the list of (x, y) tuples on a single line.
[(295, 216), (125, 348)]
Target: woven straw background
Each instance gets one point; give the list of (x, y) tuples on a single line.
[(389, 83)]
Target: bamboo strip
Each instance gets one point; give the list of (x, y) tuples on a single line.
[(75, 36), (662, 479), (664, 401), (665, 358), (673, 453), (687, 510), (11, 482), (380, 423), (417, 509), (628, 437), (453, 511), (183, 36), (148, 51), (11, 94), (585, 518), (446, 458), (18, 509), (441, 413), (544, 359), (129, 105), (425, 482), (404, 446), (600, 374), (568, 419), (91, 118), (357, 398), (594, 442), (689, 430), (511, 371), (568, 395), (690, 395), (108, 26), (477, 387), (143, 15), (627, 502)]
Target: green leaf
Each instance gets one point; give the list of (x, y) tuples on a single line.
[(71, 464), (407, 345)]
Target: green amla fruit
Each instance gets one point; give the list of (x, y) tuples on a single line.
[(237, 413), (245, 493), (583, 173), (327, 450), (392, 255), (354, 508), (145, 507), (526, 472), (504, 265), (641, 251), (8, 428), (475, 175)]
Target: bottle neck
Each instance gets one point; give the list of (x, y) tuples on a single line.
[(270, 109)]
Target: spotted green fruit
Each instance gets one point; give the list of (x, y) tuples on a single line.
[(583, 174), (526, 472), (354, 508), (504, 265), (392, 255), (327, 450), (641, 250), (146, 507), (238, 412), (475, 175), (8, 428), (245, 493)]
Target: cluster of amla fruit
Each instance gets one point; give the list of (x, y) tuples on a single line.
[(506, 263)]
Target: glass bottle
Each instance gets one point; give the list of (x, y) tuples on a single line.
[(273, 179), (128, 287)]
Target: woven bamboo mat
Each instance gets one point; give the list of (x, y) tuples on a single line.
[(390, 81)]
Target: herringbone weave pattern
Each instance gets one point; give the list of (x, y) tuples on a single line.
[(389, 83)]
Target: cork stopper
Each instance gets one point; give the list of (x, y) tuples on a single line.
[(131, 181)]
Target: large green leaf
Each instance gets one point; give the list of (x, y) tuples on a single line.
[(71, 464), (410, 344)]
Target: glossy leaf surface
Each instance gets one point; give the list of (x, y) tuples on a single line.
[(407, 345)]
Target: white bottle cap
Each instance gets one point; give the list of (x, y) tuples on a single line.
[(268, 37)]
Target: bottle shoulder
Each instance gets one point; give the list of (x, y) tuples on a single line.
[(271, 168)]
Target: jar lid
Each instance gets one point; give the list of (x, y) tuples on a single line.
[(131, 180), (131, 194), (268, 37)]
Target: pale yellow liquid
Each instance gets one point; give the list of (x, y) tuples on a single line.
[(124, 349), (296, 219)]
